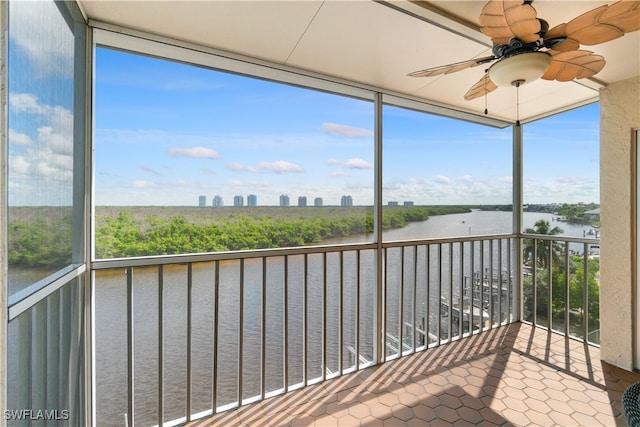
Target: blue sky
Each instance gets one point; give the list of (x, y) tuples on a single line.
[(166, 133)]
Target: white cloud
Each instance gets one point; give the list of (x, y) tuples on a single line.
[(353, 163), (194, 152), (441, 179), (42, 35), (239, 167), (16, 138), (469, 179), (40, 161), (357, 164), (280, 166), (344, 130)]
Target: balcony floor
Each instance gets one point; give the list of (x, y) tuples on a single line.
[(513, 375)]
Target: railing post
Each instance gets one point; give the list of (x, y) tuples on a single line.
[(130, 350), (189, 348), (517, 218), (240, 331), (263, 331), (357, 310), (285, 328), (585, 292), (216, 333), (550, 284), (160, 345), (567, 295), (379, 333)]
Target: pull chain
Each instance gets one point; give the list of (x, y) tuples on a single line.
[(486, 95), (517, 84)]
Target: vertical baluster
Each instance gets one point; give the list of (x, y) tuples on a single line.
[(285, 332), (341, 315), (534, 276), (460, 292), (450, 314), (472, 264), (499, 277), (357, 346), (481, 284), (263, 331), (324, 316), (427, 309), (415, 297), (216, 333), (305, 321), (439, 304), (567, 300), (384, 307), (585, 292), (160, 345), (510, 316), (240, 331), (550, 286), (189, 350), (490, 284), (401, 304), (130, 349)]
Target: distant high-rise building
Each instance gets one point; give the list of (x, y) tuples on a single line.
[(284, 200), (202, 201), (346, 201), (302, 201), (317, 201), (217, 202), (392, 203), (408, 203), (238, 201), (252, 200)]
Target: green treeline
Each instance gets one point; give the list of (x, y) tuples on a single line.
[(126, 236), (40, 242), (41, 239)]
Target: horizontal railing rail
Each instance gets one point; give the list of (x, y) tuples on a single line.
[(203, 333)]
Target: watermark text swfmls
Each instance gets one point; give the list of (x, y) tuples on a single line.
[(36, 414)]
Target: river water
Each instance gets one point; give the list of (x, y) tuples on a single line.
[(111, 319)]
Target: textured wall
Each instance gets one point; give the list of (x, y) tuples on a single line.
[(619, 113)]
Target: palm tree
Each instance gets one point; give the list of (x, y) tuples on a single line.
[(542, 226)]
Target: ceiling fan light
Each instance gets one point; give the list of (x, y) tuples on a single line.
[(521, 69)]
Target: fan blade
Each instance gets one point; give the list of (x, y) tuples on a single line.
[(483, 87), (451, 68), (503, 20), (624, 15), (598, 25), (586, 28), (576, 64)]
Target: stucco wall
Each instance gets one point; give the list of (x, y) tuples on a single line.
[(619, 113)]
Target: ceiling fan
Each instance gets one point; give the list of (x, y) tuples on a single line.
[(525, 49)]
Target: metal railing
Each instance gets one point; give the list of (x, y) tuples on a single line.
[(191, 335), (561, 285)]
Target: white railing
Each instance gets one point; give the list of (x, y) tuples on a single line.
[(188, 336), (571, 304)]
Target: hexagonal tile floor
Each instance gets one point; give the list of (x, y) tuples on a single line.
[(516, 375)]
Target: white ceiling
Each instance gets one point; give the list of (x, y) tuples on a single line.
[(374, 44)]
